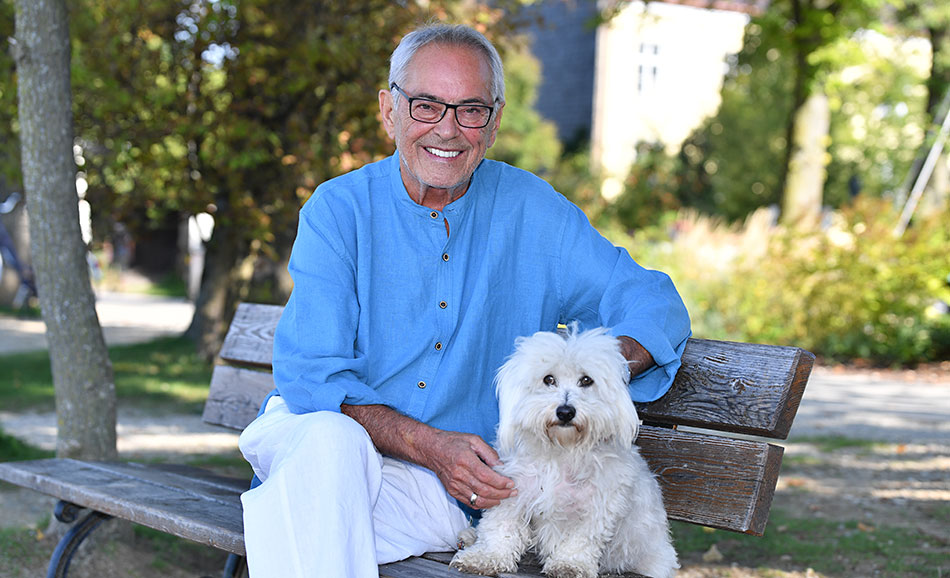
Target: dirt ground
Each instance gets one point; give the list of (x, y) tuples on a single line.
[(885, 485), (892, 474)]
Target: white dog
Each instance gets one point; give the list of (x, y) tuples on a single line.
[(586, 502)]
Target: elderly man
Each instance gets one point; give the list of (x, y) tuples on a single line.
[(412, 278)]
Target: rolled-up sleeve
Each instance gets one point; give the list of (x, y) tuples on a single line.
[(603, 285), (316, 364)]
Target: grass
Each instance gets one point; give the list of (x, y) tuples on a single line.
[(829, 547), (12, 449), (162, 375), (19, 548), (828, 444), (25, 312)]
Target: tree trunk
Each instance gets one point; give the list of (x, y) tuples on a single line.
[(805, 179), (82, 373), (225, 281)]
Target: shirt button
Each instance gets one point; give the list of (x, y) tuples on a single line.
[(438, 346), (421, 384), (434, 215), (445, 256), (443, 304)]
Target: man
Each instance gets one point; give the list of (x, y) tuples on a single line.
[(412, 278)]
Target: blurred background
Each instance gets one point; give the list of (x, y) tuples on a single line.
[(784, 161)]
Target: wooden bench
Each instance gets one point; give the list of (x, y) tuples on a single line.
[(707, 478)]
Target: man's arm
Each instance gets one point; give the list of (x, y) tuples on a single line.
[(463, 462), (638, 358)]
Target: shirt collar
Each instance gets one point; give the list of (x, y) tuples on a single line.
[(457, 206)]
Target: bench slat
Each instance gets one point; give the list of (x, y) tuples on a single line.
[(735, 387), (186, 502), (529, 567), (250, 337), (713, 481), (235, 396), (726, 386), (706, 480)]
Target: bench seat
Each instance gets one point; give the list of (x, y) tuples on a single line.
[(703, 439)]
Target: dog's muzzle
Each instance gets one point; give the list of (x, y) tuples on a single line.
[(565, 413)]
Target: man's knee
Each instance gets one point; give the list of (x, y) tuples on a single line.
[(329, 431), (327, 440)]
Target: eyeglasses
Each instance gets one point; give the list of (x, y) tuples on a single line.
[(432, 111)]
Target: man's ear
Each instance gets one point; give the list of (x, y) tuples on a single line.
[(387, 112), (495, 123)]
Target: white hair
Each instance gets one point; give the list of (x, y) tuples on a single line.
[(452, 35)]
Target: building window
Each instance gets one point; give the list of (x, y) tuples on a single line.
[(648, 70)]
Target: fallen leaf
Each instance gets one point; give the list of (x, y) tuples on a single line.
[(713, 555)]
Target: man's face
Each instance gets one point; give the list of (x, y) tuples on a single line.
[(442, 155)]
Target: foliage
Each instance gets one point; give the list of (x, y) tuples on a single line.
[(237, 108), (654, 186), (878, 104), (849, 291), (930, 18), (574, 177), (9, 123), (525, 139), (734, 162)]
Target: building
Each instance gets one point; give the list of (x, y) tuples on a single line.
[(651, 73)]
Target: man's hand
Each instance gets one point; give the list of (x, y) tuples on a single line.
[(463, 462)]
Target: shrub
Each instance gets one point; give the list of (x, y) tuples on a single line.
[(850, 290)]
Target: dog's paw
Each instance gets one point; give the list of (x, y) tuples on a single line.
[(466, 538), (565, 569), (476, 560)]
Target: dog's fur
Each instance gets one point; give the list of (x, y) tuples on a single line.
[(586, 502)]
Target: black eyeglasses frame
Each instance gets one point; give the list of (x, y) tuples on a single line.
[(411, 99)]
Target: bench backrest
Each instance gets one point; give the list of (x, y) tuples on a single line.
[(709, 479)]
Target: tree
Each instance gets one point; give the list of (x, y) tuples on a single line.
[(812, 26), (82, 373), (237, 108), (931, 19)]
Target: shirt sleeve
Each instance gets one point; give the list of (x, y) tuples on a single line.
[(602, 285), (316, 365)]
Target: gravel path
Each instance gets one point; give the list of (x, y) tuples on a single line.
[(902, 480)]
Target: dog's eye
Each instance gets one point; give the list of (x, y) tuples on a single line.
[(585, 381), (549, 380)]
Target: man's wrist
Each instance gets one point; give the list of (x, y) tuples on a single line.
[(638, 358)]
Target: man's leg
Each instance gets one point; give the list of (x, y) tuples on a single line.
[(414, 514), (328, 501)]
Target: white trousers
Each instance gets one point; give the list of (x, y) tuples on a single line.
[(330, 505)]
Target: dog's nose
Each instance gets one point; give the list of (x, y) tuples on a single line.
[(565, 413)]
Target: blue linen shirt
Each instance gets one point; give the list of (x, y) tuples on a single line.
[(388, 308)]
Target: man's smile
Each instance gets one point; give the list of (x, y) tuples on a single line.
[(443, 153)]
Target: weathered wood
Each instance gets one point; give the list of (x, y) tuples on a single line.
[(726, 386), (250, 338), (235, 396), (187, 502), (706, 478), (735, 387), (529, 567), (713, 481), (420, 568)]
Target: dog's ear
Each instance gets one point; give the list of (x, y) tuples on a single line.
[(506, 383)]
